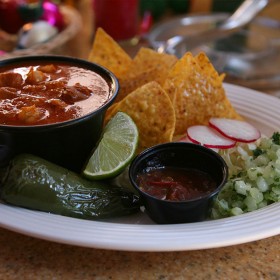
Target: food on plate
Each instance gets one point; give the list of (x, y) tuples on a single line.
[(115, 150), (197, 92), (176, 184), (107, 52), (161, 97), (147, 65), (32, 94), (235, 129), (35, 183), (151, 109), (222, 133), (162, 174), (208, 137), (147, 58), (254, 177), (192, 84)]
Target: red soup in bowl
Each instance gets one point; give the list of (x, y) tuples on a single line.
[(49, 92), (53, 107)]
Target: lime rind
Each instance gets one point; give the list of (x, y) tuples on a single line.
[(115, 150)]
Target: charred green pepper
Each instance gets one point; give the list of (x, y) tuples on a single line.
[(34, 183)]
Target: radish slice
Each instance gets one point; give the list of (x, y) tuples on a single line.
[(208, 137), (185, 138), (234, 129)]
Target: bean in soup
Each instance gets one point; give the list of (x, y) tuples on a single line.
[(176, 184), (49, 93)]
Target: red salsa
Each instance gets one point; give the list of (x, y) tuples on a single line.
[(49, 93), (176, 184)]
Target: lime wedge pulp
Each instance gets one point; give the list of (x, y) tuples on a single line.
[(115, 150)]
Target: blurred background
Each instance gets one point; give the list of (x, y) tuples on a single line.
[(251, 57)]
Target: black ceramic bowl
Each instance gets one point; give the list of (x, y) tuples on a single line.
[(68, 143), (179, 155)]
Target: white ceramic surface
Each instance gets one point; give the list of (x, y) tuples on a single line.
[(138, 233)]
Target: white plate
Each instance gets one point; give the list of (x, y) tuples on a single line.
[(138, 233)]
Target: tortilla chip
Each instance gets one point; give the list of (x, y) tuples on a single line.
[(129, 84), (152, 111), (173, 81), (147, 66), (196, 91), (108, 53), (148, 59), (194, 88)]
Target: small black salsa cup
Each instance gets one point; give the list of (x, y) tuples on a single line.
[(179, 155), (68, 143)]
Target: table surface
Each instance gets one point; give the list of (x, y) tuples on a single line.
[(24, 257)]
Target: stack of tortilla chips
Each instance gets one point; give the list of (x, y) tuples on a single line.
[(164, 95)]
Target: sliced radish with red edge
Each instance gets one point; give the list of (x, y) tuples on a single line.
[(208, 137), (185, 138), (237, 130)]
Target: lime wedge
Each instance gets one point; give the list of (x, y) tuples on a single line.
[(115, 150)]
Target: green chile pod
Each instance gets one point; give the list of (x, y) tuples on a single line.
[(34, 183)]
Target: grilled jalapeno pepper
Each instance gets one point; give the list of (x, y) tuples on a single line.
[(35, 183)]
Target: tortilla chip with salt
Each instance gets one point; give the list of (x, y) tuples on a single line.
[(152, 111), (147, 58), (148, 65), (109, 54), (127, 85), (196, 91)]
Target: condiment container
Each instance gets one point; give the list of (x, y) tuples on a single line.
[(186, 157), (68, 143)]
